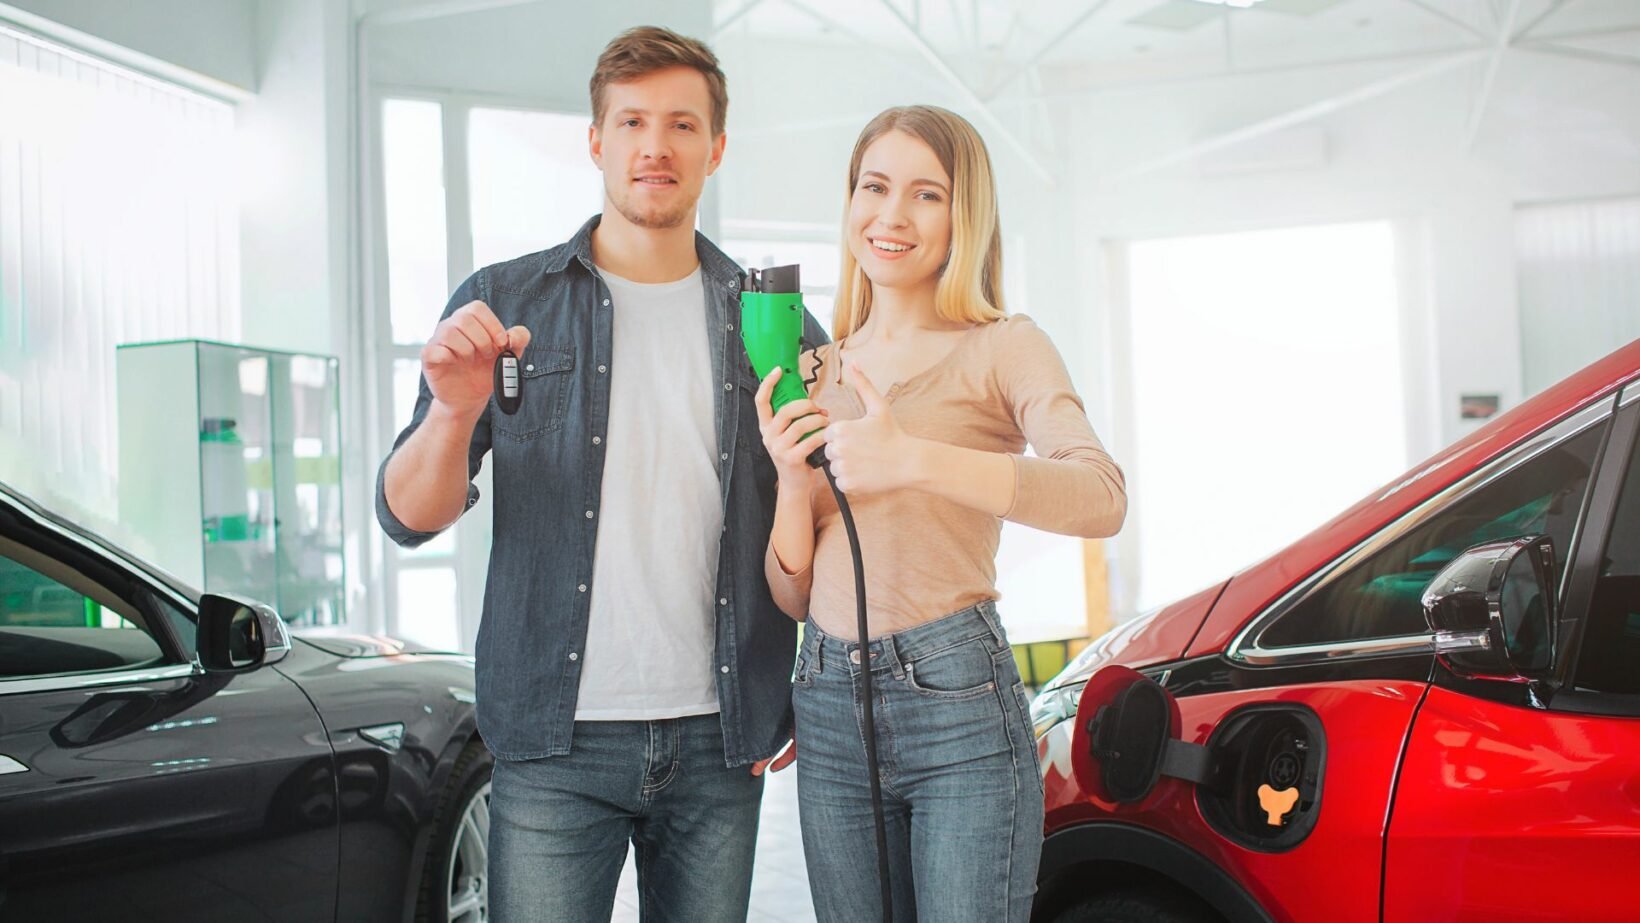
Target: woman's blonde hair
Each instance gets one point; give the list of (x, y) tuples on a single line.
[(970, 286)]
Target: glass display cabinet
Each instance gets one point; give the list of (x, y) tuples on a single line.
[(230, 467)]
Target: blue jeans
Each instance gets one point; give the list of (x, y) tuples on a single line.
[(560, 825), (962, 792)]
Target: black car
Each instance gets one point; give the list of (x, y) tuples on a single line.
[(166, 754)]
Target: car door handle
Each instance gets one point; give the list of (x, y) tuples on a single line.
[(9, 765)]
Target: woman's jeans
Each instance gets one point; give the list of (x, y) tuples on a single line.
[(962, 793)]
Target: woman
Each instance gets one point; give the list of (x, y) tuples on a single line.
[(924, 404)]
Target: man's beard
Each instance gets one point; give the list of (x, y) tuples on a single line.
[(654, 219)]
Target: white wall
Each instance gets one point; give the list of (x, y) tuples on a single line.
[(296, 162), (213, 39), (295, 155), (1401, 156), (541, 52)]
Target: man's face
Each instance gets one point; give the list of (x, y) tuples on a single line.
[(655, 146)]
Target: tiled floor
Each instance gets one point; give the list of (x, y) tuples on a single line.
[(780, 882)]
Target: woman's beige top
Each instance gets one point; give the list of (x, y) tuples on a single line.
[(1002, 386)]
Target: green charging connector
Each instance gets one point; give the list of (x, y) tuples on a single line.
[(771, 327)]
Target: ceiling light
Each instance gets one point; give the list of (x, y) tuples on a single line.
[(1238, 4)]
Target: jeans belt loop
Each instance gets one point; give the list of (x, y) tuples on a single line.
[(891, 650), (988, 611)]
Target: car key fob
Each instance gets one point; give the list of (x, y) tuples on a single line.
[(508, 395)]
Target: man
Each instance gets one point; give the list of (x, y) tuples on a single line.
[(631, 665)]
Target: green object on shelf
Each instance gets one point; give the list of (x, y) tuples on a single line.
[(218, 442), (235, 528), (93, 614), (218, 429)]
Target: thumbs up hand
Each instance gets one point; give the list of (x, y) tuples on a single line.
[(871, 454)]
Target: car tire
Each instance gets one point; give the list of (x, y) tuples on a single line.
[(1139, 907), (449, 878)]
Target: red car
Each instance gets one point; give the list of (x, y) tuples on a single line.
[(1426, 709)]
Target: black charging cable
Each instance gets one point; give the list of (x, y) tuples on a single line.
[(867, 696)]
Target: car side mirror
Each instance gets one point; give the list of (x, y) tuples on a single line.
[(237, 635), (1501, 595)]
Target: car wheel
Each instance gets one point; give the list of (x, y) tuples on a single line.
[(1139, 907), (455, 879)]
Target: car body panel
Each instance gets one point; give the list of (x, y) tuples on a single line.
[(133, 789), (1155, 637), (300, 790), (1514, 813), (1333, 874), (387, 793)]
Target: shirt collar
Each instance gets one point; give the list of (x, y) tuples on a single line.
[(717, 268)]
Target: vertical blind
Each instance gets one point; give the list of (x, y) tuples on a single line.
[(117, 225), (1579, 277)]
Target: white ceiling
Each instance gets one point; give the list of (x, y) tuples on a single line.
[(1501, 75), (1098, 43)]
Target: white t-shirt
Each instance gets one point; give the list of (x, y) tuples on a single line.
[(650, 637)]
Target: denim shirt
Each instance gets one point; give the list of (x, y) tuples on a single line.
[(548, 479)]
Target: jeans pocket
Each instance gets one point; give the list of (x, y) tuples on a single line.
[(961, 671), (545, 380)]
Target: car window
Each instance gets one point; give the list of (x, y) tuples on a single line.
[(54, 620), (1609, 659), (1380, 596)]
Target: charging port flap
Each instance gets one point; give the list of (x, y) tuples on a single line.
[(1127, 738)]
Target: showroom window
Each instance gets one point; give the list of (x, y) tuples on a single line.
[(1381, 596), (1267, 392), (1609, 658), (118, 224), (463, 186)]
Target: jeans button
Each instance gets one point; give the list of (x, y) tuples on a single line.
[(854, 656)]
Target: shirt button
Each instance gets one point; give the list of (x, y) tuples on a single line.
[(471, 500), (589, 514), (574, 656), (602, 369), (596, 440), (582, 588), (606, 302), (723, 669), (530, 367), (724, 456), (723, 601), (731, 326), (728, 386)]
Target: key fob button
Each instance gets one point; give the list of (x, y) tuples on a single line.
[(508, 395)]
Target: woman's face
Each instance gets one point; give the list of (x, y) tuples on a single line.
[(899, 214)]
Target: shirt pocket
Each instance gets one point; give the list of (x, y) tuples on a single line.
[(545, 380)]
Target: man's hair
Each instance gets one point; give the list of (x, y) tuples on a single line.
[(647, 49)]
